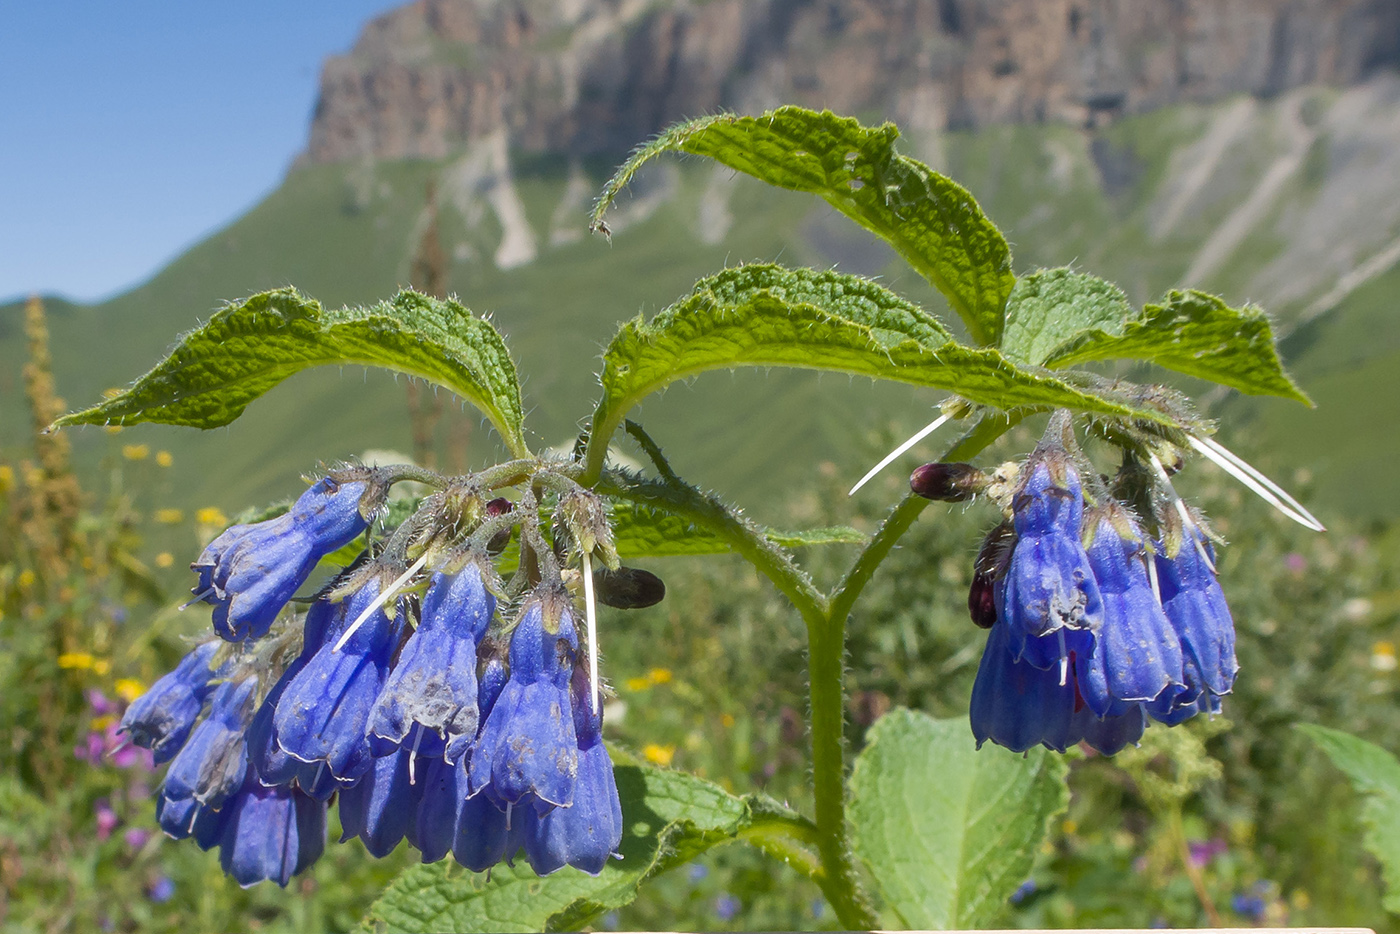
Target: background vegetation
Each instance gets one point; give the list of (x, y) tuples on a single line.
[(1236, 820)]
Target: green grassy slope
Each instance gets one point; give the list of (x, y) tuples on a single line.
[(346, 234)]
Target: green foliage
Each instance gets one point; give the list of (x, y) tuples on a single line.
[(1048, 307), (948, 831), (1376, 773), (642, 531), (670, 818), (1193, 333), (763, 315), (251, 346), (931, 221)]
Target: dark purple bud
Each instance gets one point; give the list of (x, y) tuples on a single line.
[(986, 571), (628, 588), (951, 483), (498, 507), (981, 601)]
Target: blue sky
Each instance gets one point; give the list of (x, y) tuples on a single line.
[(129, 129)]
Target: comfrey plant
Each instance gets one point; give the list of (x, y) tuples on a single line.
[(434, 671)]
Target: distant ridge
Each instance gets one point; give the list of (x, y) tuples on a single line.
[(596, 76)]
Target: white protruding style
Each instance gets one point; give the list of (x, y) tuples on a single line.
[(384, 597), (1181, 510), (590, 609), (1246, 473), (919, 435)]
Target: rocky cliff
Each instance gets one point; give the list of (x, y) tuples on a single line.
[(599, 75)]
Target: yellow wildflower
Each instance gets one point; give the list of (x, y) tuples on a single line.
[(659, 675), (165, 559), (638, 684), (170, 516), (164, 459), (657, 754), (211, 515), (128, 689), (136, 452)]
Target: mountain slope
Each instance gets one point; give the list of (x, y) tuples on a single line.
[(1278, 201)]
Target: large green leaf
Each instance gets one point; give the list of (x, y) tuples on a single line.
[(642, 531), (949, 831), (669, 817), (1050, 306), (249, 347), (1193, 333), (1376, 774), (933, 222), (764, 315)]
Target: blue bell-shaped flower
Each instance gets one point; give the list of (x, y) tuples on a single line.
[(383, 805), (433, 685), (270, 833), (250, 571), (586, 833), (1137, 655), (323, 711), (527, 744), (1195, 605), (1050, 589), (211, 765), (161, 719)]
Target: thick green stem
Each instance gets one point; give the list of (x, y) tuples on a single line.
[(826, 690)]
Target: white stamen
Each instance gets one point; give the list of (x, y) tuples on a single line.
[(194, 815), (592, 614), (196, 598), (383, 598), (919, 435), (1064, 657), (413, 753), (1246, 473), (1188, 523), (509, 806), (1152, 576)]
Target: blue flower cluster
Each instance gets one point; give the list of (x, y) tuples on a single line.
[(1096, 627), (410, 699)]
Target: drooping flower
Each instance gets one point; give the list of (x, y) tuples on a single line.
[(430, 697), (1016, 705), (586, 833), (270, 833), (323, 711), (1195, 605), (1137, 654), (1049, 587), (382, 806), (250, 571), (210, 767), (528, 744), (161, 719)]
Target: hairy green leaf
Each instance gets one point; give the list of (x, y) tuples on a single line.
[(949, 831), (930, 220), (1196, 334), (764, 315), (1376, 774), (642, 531), (249, 347), (670, 817), (1051, 306)]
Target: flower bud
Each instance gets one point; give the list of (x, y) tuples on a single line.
[(498, 507), (951, 483), (628, 588)]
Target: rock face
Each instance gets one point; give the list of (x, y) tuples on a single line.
[(597, 76)]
